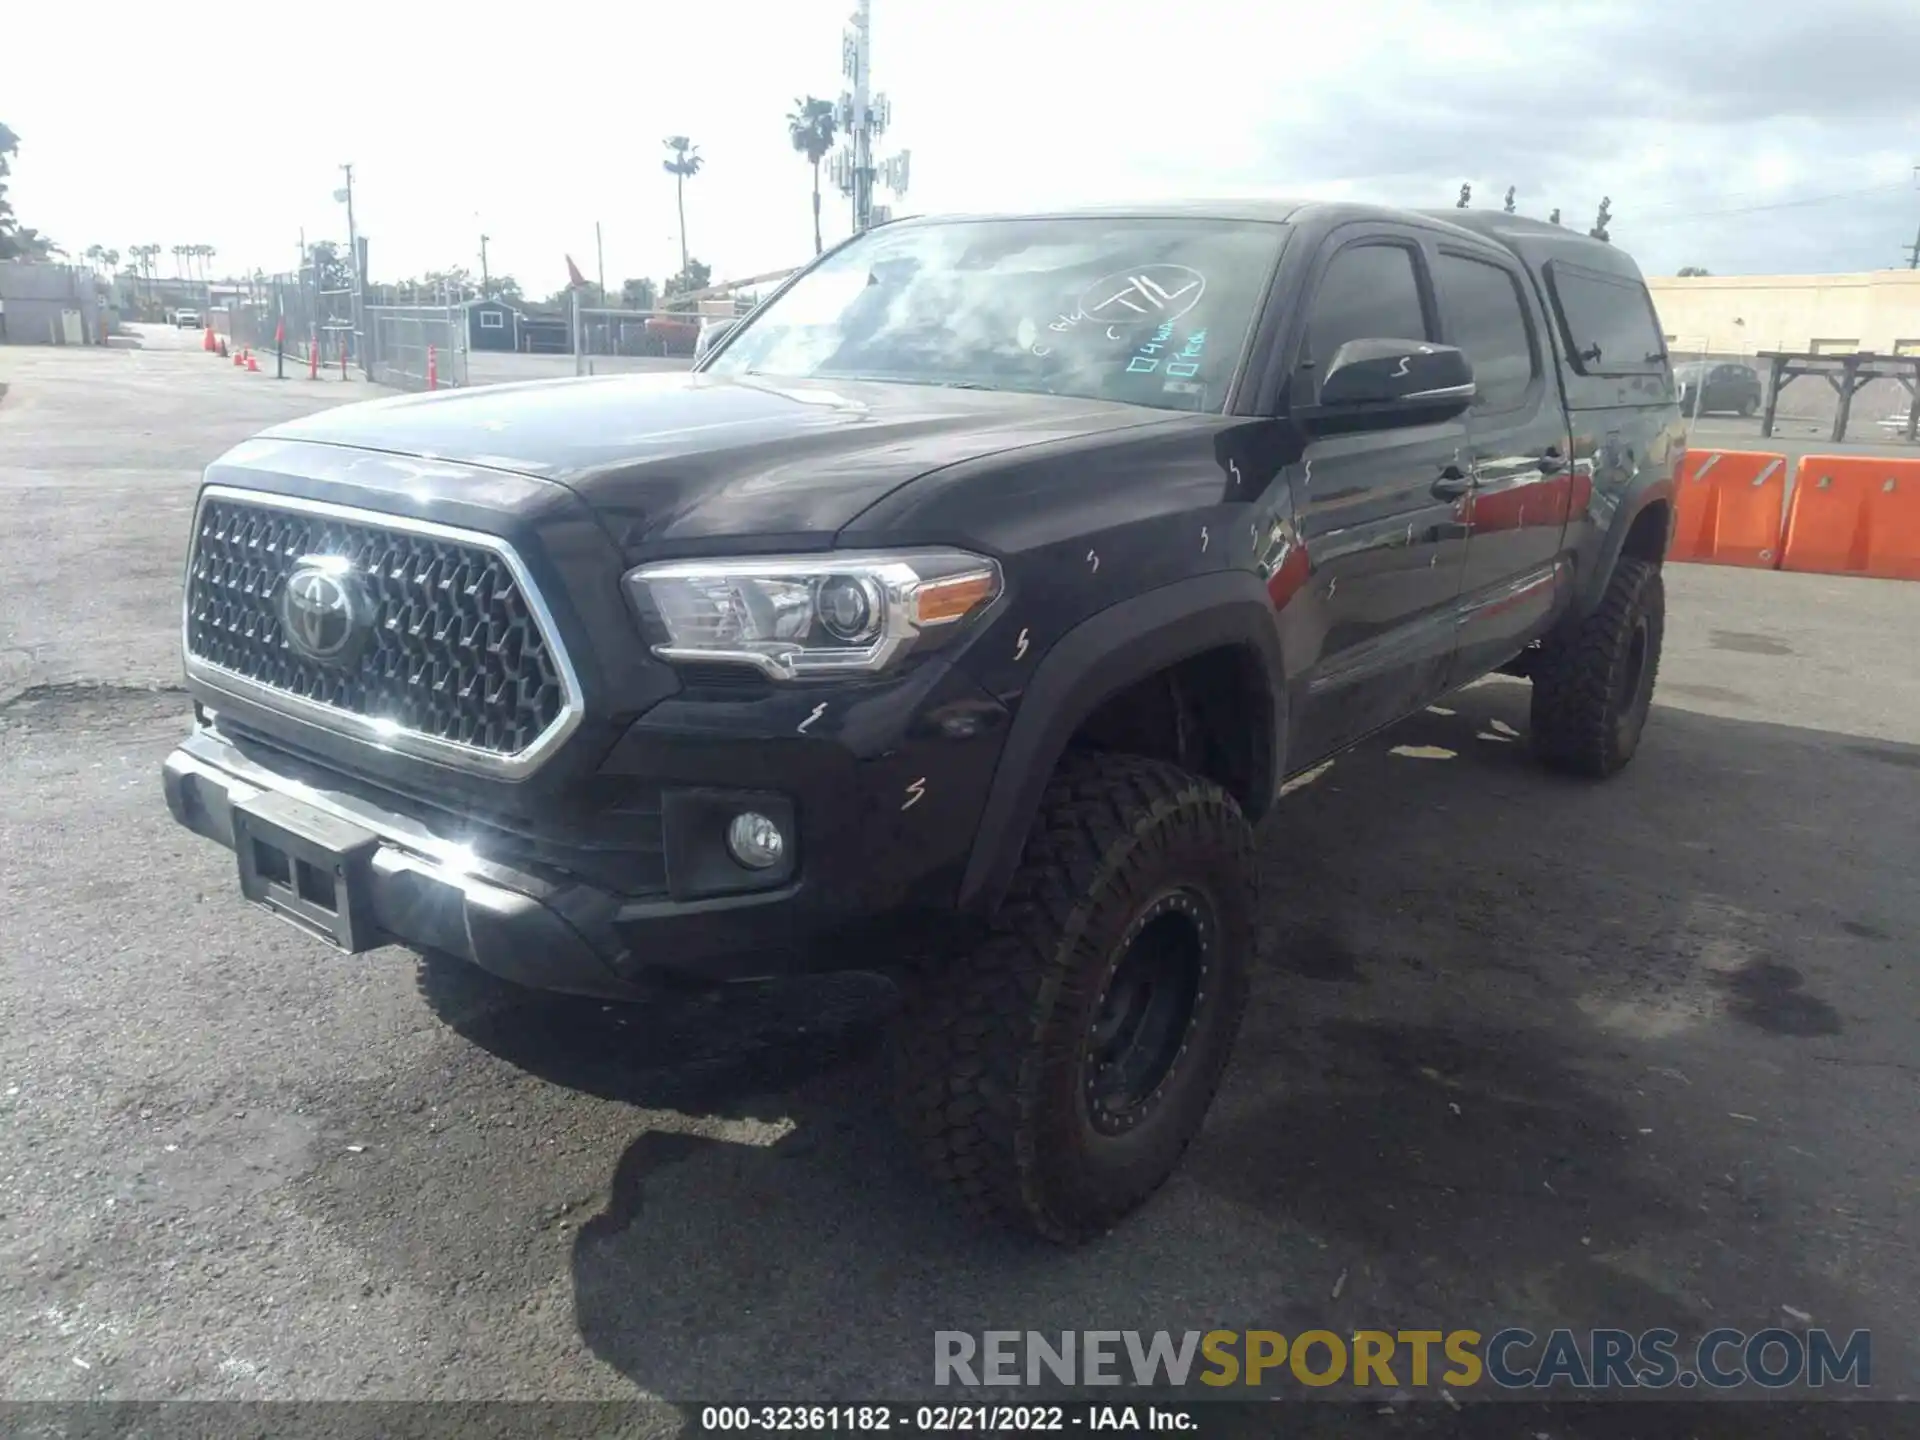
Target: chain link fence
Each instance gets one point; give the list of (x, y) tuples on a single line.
[(617, 340), (254, 320), (417, 347)]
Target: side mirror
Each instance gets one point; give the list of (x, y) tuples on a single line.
[(1377, 383), (711, 334)]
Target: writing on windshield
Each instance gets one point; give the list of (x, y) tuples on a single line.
[(1147, 311)]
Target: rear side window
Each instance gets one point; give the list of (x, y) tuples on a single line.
[(1370, 292), (1608, 322), (1482, 313)]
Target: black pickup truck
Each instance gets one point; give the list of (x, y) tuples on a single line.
[(959, 614)]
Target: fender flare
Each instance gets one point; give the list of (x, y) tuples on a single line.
[(1090, 664), (1593, 586)]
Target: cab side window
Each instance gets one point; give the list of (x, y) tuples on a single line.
[(1482, 314), (1369, 292)]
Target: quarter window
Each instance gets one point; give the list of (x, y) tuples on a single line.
[(1608, 321), (1483, 315)]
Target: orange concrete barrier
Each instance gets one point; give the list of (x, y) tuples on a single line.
[(1854, 515), (1730, 502)]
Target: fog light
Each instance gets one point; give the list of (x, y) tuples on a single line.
[(755, 841)]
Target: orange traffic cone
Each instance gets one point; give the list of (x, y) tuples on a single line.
[(253, 367), (239, 358), (206, 337)]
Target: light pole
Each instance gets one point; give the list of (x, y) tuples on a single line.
[(485, 287)]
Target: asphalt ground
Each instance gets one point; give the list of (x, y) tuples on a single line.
[(1521, 1051)]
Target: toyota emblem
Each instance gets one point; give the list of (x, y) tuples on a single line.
[(324, 609)]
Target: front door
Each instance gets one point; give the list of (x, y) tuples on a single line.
[(1381, 515)]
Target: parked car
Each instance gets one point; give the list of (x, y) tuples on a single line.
[(672, 336), (1724, 387), (186, 319), (712, 330), (960, 614)]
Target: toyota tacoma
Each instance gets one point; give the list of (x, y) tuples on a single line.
[(960, 613)]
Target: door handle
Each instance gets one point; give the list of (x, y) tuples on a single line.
[(1452, 484)]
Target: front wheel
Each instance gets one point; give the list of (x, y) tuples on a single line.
[(1054, 1079), (1748, 406), (1593, 683)]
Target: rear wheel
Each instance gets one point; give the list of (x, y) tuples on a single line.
[(1593, 684), (1054, 1079), (1748, 406)]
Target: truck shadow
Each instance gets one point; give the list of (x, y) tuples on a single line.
[(1523, 1051), (731, 1052)]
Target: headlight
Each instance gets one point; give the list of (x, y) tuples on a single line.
[(830, 614)]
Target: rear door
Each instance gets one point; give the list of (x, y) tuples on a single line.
[(1381, 514), (1517, 445)]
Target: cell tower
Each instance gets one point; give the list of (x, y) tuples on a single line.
[(863, 116)]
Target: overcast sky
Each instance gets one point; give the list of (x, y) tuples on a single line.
[(1743, 135)]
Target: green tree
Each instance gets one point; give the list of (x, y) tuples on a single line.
[(811, 127), (638, 294), (695, 277), (1689, 271), (17, 241), (328, 268), (683, 165)]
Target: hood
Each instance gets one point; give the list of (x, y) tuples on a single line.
[(674, 461)]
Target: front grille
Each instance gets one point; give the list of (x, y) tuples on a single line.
[(454, 653)]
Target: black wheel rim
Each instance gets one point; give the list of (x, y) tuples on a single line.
[(1633, 675), (1147, 1013)]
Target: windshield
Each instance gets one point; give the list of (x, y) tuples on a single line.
[(1147, 311)]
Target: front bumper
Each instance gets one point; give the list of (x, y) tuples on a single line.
[(420, 889), (877, 868)]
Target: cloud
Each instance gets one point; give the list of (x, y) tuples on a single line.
[(1711, 128)]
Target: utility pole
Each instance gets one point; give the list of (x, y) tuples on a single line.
[(309, 292), (1913, 250), (862, 115), (484, 278), (355, 312), (600, 262)]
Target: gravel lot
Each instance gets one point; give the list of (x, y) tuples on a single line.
[(1523, 1051)]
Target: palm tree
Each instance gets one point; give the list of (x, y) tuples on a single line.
[(95, 255), (811, 126), (685, 164), (144, 256)]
